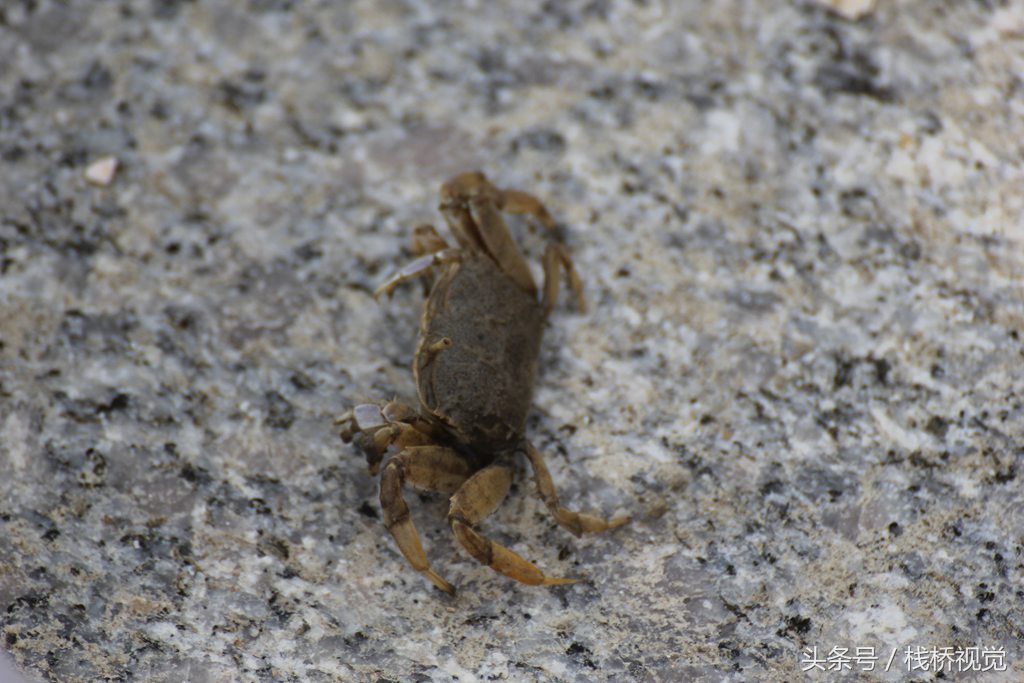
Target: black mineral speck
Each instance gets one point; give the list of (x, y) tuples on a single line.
[(796, 624), (168, 9), (582, 654), (937, 426), (119, 402), (194, 474), (280, 411), (239, 96), (541, 140), (97, 78)]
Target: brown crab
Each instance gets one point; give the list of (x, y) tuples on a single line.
[(475, 367)]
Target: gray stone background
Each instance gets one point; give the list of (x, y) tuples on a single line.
[(801, 237)]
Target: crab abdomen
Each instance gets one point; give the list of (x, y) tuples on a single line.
[(481, 385)]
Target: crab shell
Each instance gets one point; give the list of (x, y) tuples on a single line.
[(479, 388)]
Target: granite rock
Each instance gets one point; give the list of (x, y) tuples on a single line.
[(800, 373)]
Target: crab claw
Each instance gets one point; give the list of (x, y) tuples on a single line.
[(368, 416), (363, 417)]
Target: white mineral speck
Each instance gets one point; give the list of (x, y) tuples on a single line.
[(101, 172), (850, 9)]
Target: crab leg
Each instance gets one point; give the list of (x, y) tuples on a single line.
[(425, 240), (515, 201), (433, 468), (499, 243), (416, 268), (476, 499), (575, 522), (556, 257)]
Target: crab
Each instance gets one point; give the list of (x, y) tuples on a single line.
[(474, 369)]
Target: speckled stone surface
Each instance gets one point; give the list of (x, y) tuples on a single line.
[(802, 370)]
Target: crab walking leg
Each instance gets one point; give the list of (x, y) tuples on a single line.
[(426, 240), (433, 468), (575, 522), (515, 201), (416, 268), (556, 258), (477, 498)]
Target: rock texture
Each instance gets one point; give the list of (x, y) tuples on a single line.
[(801, 373)]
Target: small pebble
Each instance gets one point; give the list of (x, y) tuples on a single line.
[(850, 9), (101, 171)]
